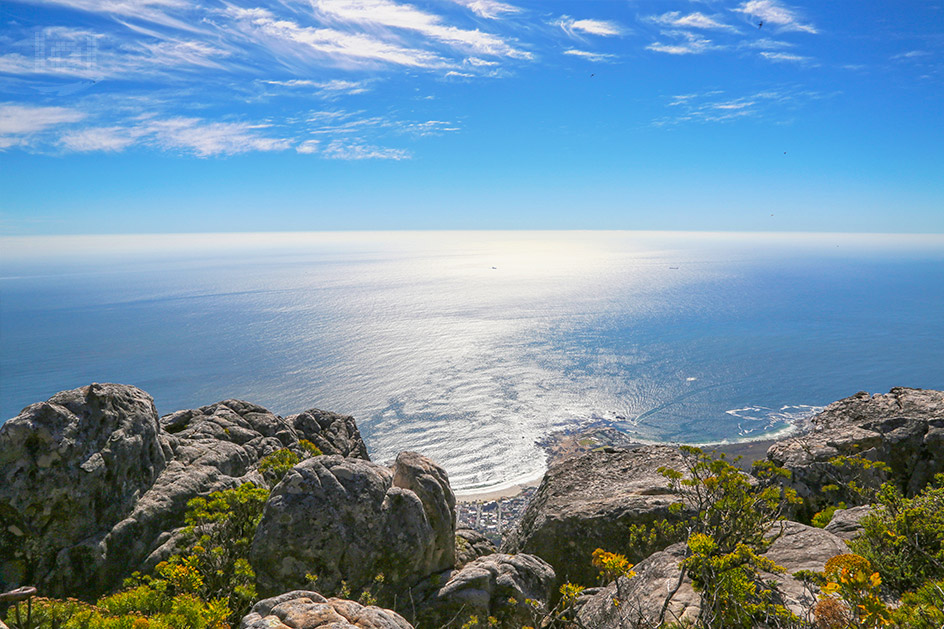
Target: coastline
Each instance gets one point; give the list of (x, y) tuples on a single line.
[(498, 494), (749, 451)]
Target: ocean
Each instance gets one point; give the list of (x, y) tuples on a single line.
[(473, 347)]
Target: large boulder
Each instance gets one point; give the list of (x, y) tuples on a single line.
[(496, 586), (332, 433), (846, 524), (346, 519), (904, 428), (309, 610), (588, 502), (70, 468), (93, 485), (659, 592)]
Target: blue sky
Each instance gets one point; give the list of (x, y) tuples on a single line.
[(136, 116)]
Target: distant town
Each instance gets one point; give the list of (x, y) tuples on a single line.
[(493, 518)]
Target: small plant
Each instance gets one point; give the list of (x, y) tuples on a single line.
[(850, 596), (611, 566), (275, 466), (824, 517)]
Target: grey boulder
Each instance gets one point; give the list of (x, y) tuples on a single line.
[(70, 469), (309, 610), (588, 502), (496, 586), (350, 520), (846, 523), (658, 592)]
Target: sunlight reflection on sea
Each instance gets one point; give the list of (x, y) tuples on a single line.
[(471, 347)]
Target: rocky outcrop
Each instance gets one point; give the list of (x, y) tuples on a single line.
[(492, 586), (845, 523), (658, 590), (415, 473), (309, 610), (588, 502), (93, 484), (349, 520), (332, 433), (904, 428), (629, 603), (70, 468), (470, 545)]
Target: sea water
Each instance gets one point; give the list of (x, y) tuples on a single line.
[(473, 347)]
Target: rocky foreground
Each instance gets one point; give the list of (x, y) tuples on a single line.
[(94, 486)]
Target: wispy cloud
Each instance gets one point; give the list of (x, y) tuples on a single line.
[(287, 37), (687, 44), (601, 28), (20, 123), (772, 13), (911, 54), (590, 56), (765, 43), (328, 90), (106, 139), (387, 13), (345, 123), (355, 150), (692, 20), (716, 106), (308, 147), (155, 11), (188, 135), (786, 57), (490, 9)]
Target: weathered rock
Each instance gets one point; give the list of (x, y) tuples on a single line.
[(416, 473), (310, 610), (626, 602), (70, 468), (642, 598), (904, 428), (588, 502), (93, 485), (470, 545), (332, 433), (846, 522), (348, 519), (495, 585)]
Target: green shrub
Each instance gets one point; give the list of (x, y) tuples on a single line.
[(923, 609), (275, 466), (855, 480), (727, 527), (220, 529), (904, 537), (824, 517)]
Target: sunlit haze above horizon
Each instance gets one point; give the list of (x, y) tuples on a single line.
[(157, 116)]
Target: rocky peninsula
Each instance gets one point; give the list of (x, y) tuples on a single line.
[(95, 486)]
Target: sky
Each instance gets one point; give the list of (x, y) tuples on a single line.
[(157, 116)]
